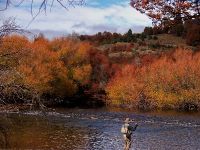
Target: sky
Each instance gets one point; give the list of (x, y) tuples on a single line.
[(92, 17)]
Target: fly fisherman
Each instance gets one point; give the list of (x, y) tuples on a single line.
[(127, 131)]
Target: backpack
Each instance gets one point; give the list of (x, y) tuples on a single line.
[(124, 129)]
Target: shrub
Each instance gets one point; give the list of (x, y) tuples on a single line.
[(155, 37), (123, 88), (171, 82), (177, 30), (193, 35), (148, 30)]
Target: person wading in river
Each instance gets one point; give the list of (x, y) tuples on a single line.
[(127, 131)]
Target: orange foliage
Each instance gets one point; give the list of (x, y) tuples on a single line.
[(173, 81), (82, 74), (43, 71), (170, 82), (12, 50), (61, 66), (101, 68), (13, 43), (124, 87), (75, 55)]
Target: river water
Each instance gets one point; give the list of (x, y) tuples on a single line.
[(87, 129)]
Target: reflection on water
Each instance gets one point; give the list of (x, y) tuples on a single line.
[(97, 130)]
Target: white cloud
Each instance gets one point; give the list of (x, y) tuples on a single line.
[(85, 19)]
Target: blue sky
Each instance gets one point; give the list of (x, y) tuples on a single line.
[(105, 3), (92, 17)]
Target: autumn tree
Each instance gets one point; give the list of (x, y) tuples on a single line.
[(148, 30), (192, 33), (129, 36), (173, 80), (75, 56), (9, 26), (45, 73), (100, 68), (170, 82), (158, 10), (123, 88), (42, 69), (12, 50), (169, 16)]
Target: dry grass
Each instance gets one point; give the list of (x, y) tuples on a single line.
[(169, 39)]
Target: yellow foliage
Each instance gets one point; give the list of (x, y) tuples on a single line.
[(82, 74), (169, 81), (42, 67), (124, 88)]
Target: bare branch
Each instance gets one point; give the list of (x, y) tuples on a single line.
[(62, 4), (16, 5), (44, 4), (9, 26), (6, 5), (51, 5)]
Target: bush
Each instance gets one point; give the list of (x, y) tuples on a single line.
[(193, 35), (150, 37), (123, 88), (177, 30), (155, 37), (148, 30), (171, 82)]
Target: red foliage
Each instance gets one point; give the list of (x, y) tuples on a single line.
[(100, 67)]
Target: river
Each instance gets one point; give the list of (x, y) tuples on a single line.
[(98, 129)]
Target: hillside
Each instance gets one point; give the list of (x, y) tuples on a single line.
[(150, 45)]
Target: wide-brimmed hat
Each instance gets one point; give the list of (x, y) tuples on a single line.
[(127, 120)]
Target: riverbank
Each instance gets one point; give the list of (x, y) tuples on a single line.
[(14, 107), (122, 108)]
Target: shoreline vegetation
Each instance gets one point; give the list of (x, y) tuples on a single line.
[(146, 73), (158, 69), (170, 82)]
